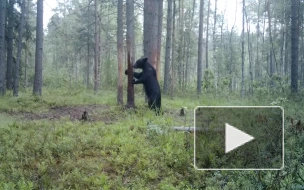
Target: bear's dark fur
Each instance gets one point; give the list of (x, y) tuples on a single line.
[(148, 78)]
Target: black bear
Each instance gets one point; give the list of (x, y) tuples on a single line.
[(148, 78)]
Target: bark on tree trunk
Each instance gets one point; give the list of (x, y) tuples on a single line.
[(207, 36), (159, 37), (10, 32), (215, 63), (294, 46), (88, 62), (120, 52), (2, 47), (200, 49), (130, 53), (96, 69), (17, 67), (150, 30), (243, 58), (37, 89), (249, 47), (168, 48)]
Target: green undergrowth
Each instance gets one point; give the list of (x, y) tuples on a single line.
[(138, 150)]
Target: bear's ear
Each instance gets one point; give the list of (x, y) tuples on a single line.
[(145, 59)]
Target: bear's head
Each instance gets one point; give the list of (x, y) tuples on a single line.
[(140, 63)]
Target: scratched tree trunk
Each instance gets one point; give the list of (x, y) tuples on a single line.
[(130, 53)]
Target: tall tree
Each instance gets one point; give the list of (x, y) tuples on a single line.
[(37, 89), (20, 36), (200, 49), (10, 34), (294, 46), (96, 50), (130, 53), (168, 47), (120, 51)]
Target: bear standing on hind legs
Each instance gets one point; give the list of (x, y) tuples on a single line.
[(148, 78)]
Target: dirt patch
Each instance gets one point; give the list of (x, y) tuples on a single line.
[(95, 113)]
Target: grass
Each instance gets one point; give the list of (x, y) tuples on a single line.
[(6, 119), (136, 151)]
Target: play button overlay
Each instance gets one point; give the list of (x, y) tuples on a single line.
[(239, 138), (235, 138)]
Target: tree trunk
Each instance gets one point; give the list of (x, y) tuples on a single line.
[(10, 33), (26, 63), (249, 47), (294, 46), (159, 37), (207, 36), (150, 30), (168, 48), (180, 43), (200, 49), (130, 53), (215, 63), (243, 48), (270, 36), (189, 44), (17, 67), (88, 61), (120, 52), (96, 69), (37, 89), (2, 47), (257, 63), (173, 75)]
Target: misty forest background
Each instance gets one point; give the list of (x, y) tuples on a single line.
[(51, 76)]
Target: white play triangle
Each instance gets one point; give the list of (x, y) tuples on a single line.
[(235, 138)]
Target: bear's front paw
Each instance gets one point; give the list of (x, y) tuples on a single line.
[(133, 81), (126, 72)]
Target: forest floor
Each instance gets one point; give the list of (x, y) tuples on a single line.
[(74, 112), (46, 144)]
